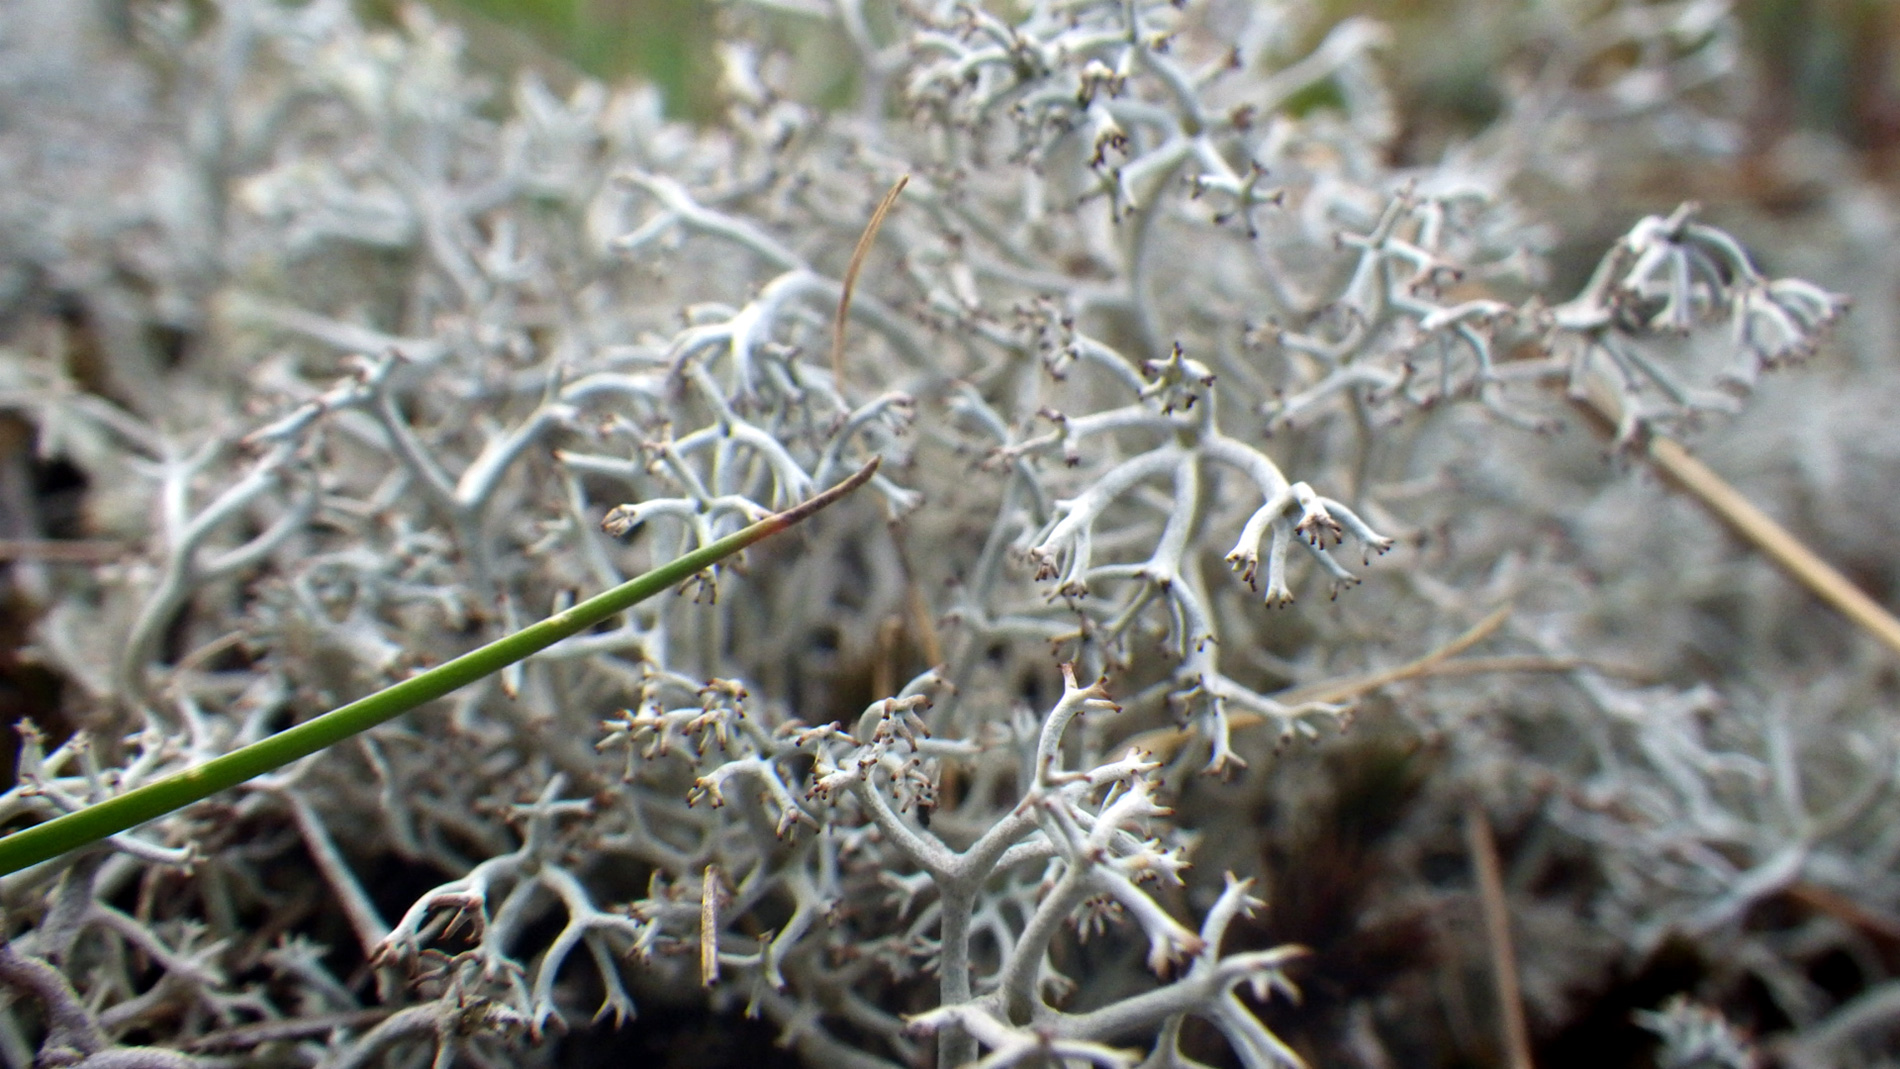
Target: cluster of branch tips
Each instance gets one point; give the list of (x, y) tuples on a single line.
[(459, 357)]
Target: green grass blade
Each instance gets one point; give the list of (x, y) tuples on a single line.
[(83, 827)]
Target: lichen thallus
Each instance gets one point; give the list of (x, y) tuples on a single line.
[(85, 826)]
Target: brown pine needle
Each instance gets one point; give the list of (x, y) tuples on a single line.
[(1164, 743), (1790, 553), (1760, 530), (851, 280), (1346, 690), (1497, 927)]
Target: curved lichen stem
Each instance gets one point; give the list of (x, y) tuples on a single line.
[(85, 826)]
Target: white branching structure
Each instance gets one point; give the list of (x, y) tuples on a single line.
[(1161, 350)]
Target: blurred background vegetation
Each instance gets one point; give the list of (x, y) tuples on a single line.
[(1827, 65), (666, 42)]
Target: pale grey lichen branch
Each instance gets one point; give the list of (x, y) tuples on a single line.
[(354, 367)]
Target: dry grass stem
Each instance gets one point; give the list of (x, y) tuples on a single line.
[(1497, 924), (851, 277)]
